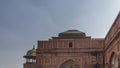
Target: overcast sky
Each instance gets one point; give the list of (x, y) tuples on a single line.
[(24, 22)]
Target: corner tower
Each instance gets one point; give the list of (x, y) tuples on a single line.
[(30, 58)]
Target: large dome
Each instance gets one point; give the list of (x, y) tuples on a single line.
[(72, 33)]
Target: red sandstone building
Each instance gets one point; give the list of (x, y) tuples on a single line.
[(73, 49)]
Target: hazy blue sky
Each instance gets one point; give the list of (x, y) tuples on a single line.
[(24, 22)]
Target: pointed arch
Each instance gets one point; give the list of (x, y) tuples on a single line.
[(70, 64), (113, 60)]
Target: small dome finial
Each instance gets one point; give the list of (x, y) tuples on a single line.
[(33, 46)]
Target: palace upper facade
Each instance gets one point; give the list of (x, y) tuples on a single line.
[(73, 49)]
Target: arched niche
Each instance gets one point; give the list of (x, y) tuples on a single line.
[(70, 64), (113, 60)]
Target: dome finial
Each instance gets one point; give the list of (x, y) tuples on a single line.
[(33, 46)]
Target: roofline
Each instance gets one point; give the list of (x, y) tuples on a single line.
[(113, 24)]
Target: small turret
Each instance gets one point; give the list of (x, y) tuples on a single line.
[(31, 55)]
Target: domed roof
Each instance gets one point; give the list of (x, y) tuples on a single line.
[(31, 53), (72, 33)]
